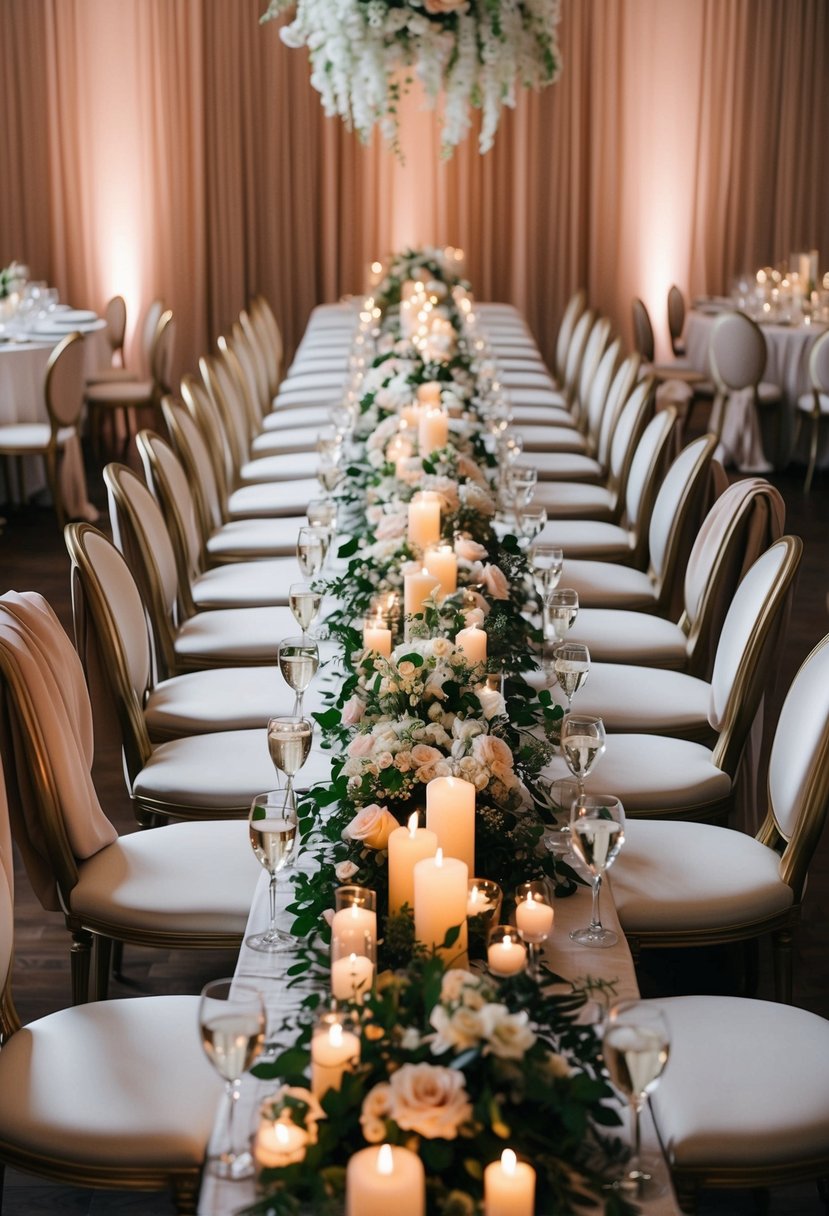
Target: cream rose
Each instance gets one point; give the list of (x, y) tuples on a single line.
[(353, 711), (429, 1100), (489, 750), (495, 582), (423, 754), (372, 826), (458, 1031), (468, 550), (391, 527), (362, 745), (510, 1036), (344, 870)]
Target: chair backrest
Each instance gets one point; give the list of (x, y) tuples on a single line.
[(141, 534), (149, 325), (593, 351), (741, 665), (244, 388), (737, 351), (646, 470), (799, 769), (227, 408), (598, 396), (642, 331), (819, 364), (622, 386), (167, 480), (676, 317), (9, 1021), (64, 383), (633, 418), (575, 352), (115, 315), (193, 452), (161, 354), (743, 522), (254, 370), (212, 426), (575, 307), (111, 635), (248, 334), (675, 512), (271, 344)]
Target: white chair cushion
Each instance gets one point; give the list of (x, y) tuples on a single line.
[(288, 439), (745, 1085), (640, 699), (672, 876), (297, 397), (231, 636), (605, 584), (546, 415), (289, 418), (120, 392), (219, 773), (314, 379), (525, 360), (536, 396), (513, 346), (585, 538), (575, 499), (32, 436), (564, 466), (552, 439), (273, 498), (769, 394), (287, 466), (183, 878), (246, 584), (653, 774), (256, 538), (513, 378), (616, 636), (222, 698), (114, 1083), (807, 403)]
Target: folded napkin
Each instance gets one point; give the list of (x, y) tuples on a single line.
[(46, 673)]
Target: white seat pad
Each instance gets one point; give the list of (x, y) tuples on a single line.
[(653, 774), (120, 392), (222, 698), (273, 498), (33, 436), (289, 418), (524, 361), (545, 415), (574, 499), (188, 877), (512, 378), (219, 773), (314, 378), (297, 397), (536, 396), (746, 1083), (807, 402), (639, 699), (287, 466), (229, 636), (289, 439), (694, 876), (605, 584), (552, 439), (114, 1083), (587, 538), (563, 466), (247, 584), (256, 538), (617, 636)]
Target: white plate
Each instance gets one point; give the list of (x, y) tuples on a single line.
[(71, 317)]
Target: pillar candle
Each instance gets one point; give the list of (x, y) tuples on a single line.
[(440, 890), (509, 1187), (351, 977), (428, 393), (472, 642), (377, 638), (416, 590), (424, 521), (354, 920), (276, 1143), (506, 954), (334, 1051), (410, 415), (440, 560), (450, 814), (407, 846), (385, 1179), (534, 919), (432, 431)]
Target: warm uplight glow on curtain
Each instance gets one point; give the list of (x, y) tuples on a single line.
[(177, 149)]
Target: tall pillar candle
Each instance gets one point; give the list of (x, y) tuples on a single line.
[(432, 431), (416, 590), (440, 895), (450, 814), (440, 560), (472, 642), (407, 846), (509, 1187), (385, 1179), (377, 638), (428, 394), (424, 521)]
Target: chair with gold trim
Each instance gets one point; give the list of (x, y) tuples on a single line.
[(815, 404), (125, 394)]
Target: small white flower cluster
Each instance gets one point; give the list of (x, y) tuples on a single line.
[(468, 1017), (478, 52)]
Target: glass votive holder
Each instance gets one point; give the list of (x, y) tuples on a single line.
[(506, 954), (277, 1141), (355, 908), (534, 918), (335, 1050), (353, 964), (483, 911)]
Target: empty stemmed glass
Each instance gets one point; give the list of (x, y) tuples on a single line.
[(298, 660), (636, 1046), (582, 744), (561, 608), (311, 549), (304, 602), (272, 826), (546, 562), (329, 474), (520, 483), (330, 445), (322, 513), (232, 1025), (597, 833), (572, 667)]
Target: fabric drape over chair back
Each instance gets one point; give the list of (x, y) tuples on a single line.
[(65, 381)]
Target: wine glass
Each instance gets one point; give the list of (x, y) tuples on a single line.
[(582, 743), (330, 445), (289, 744), (546, 562), (329, 475), (272, 825), (533, 523), (636, 1045), (311, 549), (321, 513), (305, 603), (572, 667), (597, 833), (560, 611), (520, 482), (232, 1025), (298, 660)]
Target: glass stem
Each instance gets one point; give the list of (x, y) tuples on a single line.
[(595, 919), (228, 1152), (634, 1170), (272, 903)]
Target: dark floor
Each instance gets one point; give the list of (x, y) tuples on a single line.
[(32, 557)]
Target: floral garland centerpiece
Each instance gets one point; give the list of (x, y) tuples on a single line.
[(478, 52)]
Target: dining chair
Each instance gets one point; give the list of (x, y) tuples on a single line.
[(188, 886), (262, 442), (63, 399), (149, 325), (741, 524), (676, 320), (742, 1101), (114, 1094), (122, 396), (694, 884), (580, 434), (737, 352), (815, 404), (115, 315), (643, 342), (574, 308), (264, 328)]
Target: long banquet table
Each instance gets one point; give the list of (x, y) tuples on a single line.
[(324, 336)]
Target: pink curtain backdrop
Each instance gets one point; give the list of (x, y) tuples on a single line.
[(175, 148)]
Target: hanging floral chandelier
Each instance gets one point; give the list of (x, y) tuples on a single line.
[(476, 52)]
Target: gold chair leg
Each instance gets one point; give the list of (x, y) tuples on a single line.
[(51, 459), (186, 1193), (810, 471)]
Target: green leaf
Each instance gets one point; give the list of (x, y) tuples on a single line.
[(349, 548)]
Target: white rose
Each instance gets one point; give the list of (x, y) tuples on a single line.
[(441, 647), (344, 870), (430, 1101), (510, 1036), (489, 750), (492, 703), (457, 1031)]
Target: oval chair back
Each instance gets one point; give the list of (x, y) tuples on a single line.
[(643, 341), (593, 351), (194, 454), (598, 396), (64, 383), (575, 307), (271, 342), (161, 355), (633, 419), (646, 469), (167, 480), (676, 319), (228, 408), (737, 351), (626, 377), (676, 510), (575, 353), (115, 315), (149, 326)]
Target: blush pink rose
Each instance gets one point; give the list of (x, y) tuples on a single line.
[(372, 826), (353, 711), (362, 746), (495, 582), (469, 550)]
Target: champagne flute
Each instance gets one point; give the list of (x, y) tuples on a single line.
[(272, 826), (597, 833), (547, 562), (521, 482), (560, 611), (582, 744), (321, 513), (232, 1026), (329, 475), (636, 1046), (311, 549), (289, 745), (298, 660), (305, 604), (572, 667)]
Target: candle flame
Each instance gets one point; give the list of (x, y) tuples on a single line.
[(385, 1160), (377, 267), (281, 1133), (413, 824), (335, 1035), (509, 1161), (439, 857), (507, 941), (530, 897), (352, 958)]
